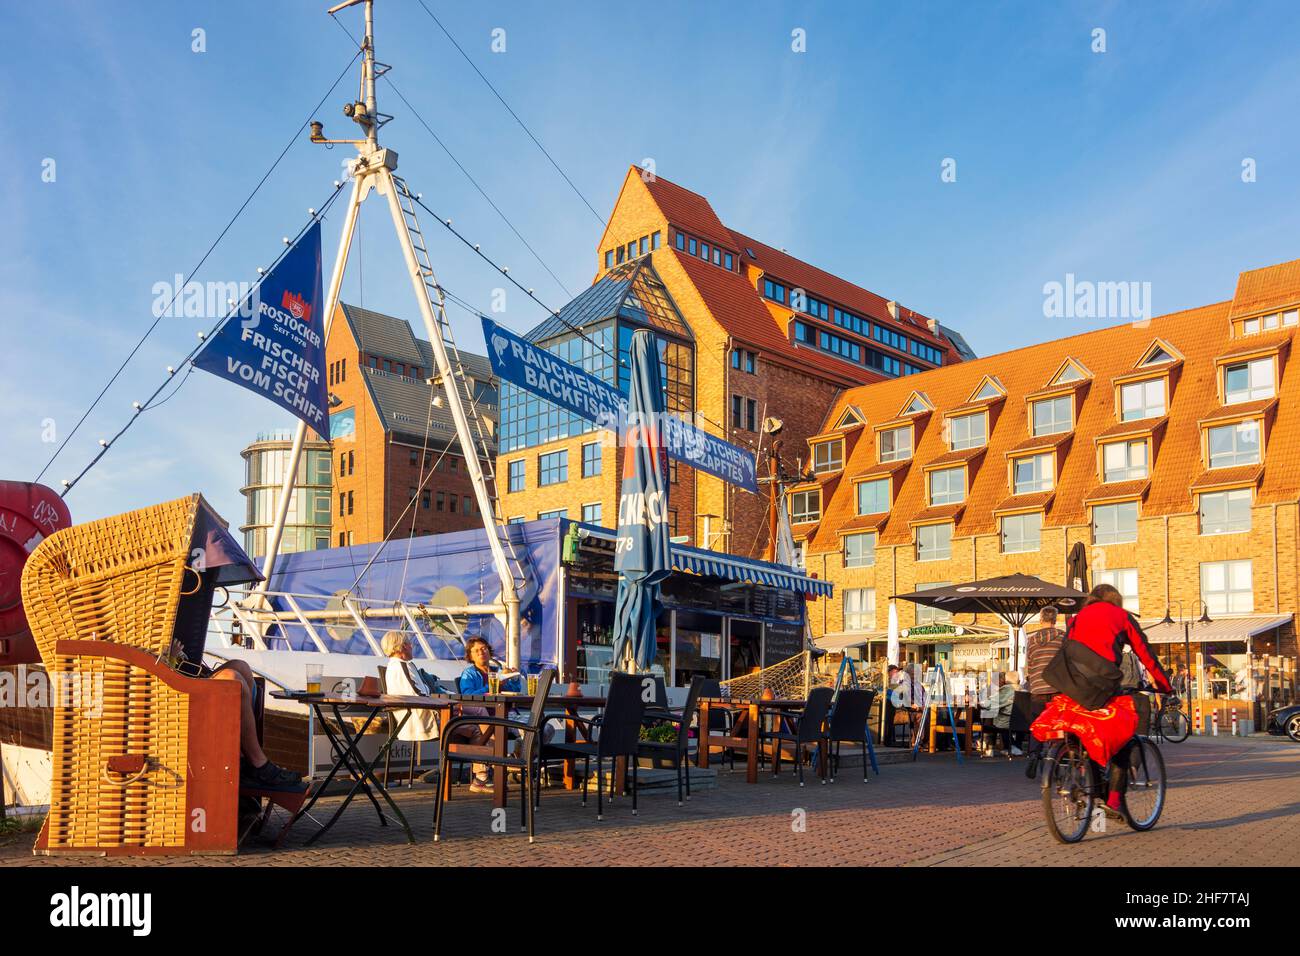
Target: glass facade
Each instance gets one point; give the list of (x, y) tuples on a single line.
[(307, 525)]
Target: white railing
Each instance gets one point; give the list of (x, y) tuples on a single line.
[(246, 622)]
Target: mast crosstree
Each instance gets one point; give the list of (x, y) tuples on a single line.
[(374, 169)]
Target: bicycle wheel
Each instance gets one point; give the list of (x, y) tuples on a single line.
[(1068, 788), (1174, 725), (1145, 797)]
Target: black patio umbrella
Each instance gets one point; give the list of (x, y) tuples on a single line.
[(1014, 597), (1076, 566)]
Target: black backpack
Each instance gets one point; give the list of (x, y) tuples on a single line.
[(1083, 675)]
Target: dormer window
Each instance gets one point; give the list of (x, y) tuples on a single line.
[(896, 444), (968, 431), (987, 392), (806, 506), (1051, 416), (1157, 356), (1237, 443), (1071, 370), (828, 456), (918, 404), (851, 417), (947, 486), (1267, 323), (1124, 461), (1248, 381), (1138, 400), (873, 496), (1032, 473)]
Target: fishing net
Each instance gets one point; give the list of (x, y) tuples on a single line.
[(790, 679)]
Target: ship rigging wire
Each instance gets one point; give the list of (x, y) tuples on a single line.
[(188, 279)]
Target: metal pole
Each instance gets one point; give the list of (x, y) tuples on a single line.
[(509, 597), (300, 433), (1187, 651)]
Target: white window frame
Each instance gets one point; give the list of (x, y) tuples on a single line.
[(1261, 381), (833, 460), (1128, 471), (1114, 536), (933, 553), (1236, 456), (946, 486), (963, 432), (1227, 524), (1238, 595), (1055, 426), (867, 557), (1144, 408), (900, 451), (1044, 477), (806, 516), (857, 496), (859, 609), (931, 615), (1021, 542)]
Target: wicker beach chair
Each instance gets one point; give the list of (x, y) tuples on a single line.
[(145, 760)]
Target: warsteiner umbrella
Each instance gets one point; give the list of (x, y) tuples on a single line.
[(1013, 597)]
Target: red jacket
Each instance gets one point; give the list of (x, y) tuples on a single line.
[(1104, 628)]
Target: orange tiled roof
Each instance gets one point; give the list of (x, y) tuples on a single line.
[(689, 210), (1215, 411), (863, 523), (1200, 334), (938, 512), (1239, 475), (1034, 499), (880, 469), (960, 456), (1138, 426), (1253, 344), (1272, 287), (1045, 442), (1115, 490)]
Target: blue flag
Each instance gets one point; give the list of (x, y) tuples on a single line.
[(641, 552), (532, 368), (275, 346)]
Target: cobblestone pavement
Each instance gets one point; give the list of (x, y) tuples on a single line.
[(1231, 802)]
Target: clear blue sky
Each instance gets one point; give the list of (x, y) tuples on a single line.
[(1123, 165)]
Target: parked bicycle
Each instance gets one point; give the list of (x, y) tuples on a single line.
[(1072, 788), (1171, 721)]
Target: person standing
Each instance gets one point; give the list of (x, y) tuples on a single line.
[(1044, 644)]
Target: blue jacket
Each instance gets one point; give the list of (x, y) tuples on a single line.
[(472, 681)]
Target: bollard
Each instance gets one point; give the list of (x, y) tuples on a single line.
[(1214, 723), (1196, 718), (1234, 722)]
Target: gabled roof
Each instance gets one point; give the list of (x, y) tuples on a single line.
[(382, 335), (1071, 370), (687, 209), (1159, 352), (632, 291), (918, 403), (850, 417), (989, 389)]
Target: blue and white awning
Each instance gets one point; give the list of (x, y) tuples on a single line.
[(735, 568)]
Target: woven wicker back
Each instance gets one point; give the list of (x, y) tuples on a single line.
[(118, 579)]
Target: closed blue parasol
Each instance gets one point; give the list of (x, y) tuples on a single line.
[(641, 553)]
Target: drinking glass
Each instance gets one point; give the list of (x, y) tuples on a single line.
[(314, 672)]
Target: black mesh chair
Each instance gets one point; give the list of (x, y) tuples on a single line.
[(524, 759), (802, 728), (676, 750), (615, 733), (850, 722)]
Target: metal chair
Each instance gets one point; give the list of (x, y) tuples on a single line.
[(676, 749), (850, 721), (615, 733), (524, 760), (809, 728)]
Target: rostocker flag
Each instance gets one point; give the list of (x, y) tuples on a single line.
[(276, 348)]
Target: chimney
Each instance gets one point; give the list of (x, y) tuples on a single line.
[(892, 306), (934, 325)]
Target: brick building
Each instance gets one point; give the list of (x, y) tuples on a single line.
[(750, 333), (1169, 449), (389, 437)]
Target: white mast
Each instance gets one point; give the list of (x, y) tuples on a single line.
[(373, 169)]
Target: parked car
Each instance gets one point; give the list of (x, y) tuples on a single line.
[(1285, 720)]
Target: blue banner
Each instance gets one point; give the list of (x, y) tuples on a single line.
[(536, 370), (278, 351)]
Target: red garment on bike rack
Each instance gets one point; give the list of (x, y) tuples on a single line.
[(1102, 731)]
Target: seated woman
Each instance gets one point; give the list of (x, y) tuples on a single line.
[(403, 679), (474, 678)]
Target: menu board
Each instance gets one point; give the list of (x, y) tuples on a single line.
[(781, 642)]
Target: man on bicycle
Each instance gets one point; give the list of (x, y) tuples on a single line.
[(1087, 671)]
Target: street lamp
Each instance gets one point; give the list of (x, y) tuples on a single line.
[(1186, 622)]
